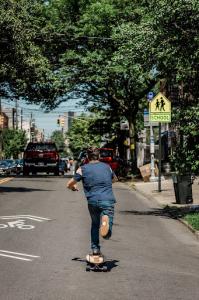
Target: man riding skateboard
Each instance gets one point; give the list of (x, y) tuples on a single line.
[(97, 178)]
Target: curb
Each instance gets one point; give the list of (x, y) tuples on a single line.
[(185, 223), (195, 232)]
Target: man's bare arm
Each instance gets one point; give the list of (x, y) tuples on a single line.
[(115, 179)]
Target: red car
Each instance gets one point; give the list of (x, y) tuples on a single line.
[(107, 156), (41, 157)]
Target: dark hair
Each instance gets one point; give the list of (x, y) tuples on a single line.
[(93, 153)]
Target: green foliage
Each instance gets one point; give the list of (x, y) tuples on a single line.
[(108, 52), (14, 142), (176, 42), (185, 158), (193, 220), (58, 138), (110, 68), (80, 136), (25, 69)]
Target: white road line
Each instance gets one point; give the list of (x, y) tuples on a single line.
[(35, 218), (19, 217), (18, 253), (15, 257)]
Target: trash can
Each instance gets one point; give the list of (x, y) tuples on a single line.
[(183, 188)]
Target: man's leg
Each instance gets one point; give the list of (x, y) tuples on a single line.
[(95, 225), (107, 214)]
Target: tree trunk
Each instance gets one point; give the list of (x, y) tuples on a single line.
[(132, 143)]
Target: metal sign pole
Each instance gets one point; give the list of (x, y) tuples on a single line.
[(150, 96), (152, 152), (159, 160)]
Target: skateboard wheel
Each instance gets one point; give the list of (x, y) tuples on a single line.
[(105, 269), (88, 269)]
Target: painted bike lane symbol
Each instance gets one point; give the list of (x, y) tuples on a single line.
[(18, 221), (20, 224)]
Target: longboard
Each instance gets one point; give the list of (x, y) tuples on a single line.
[(96, 263)]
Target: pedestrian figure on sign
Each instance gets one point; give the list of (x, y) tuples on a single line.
[(157, 105), (162, 104)]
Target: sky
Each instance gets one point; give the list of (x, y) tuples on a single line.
[(46, 121)]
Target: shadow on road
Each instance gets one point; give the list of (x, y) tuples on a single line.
[(20, 190), (45, 176), (110, 263), (167, 212)]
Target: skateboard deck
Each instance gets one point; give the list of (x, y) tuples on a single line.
[(96, 263)]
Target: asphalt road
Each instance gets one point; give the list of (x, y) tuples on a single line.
[(45, 236)]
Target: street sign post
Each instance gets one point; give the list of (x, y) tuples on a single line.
[(160, 109), (160, 112)]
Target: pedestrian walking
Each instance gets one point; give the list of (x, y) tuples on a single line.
[(97, 178)]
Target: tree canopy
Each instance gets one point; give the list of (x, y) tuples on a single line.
[(58, 138), (110, 53), (80, 136), (25, 68), (14, 142)]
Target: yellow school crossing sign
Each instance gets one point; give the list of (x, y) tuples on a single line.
[(160, 109)]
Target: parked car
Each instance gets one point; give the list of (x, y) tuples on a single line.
[(106, 156), (12, 165), (68, 163), (62, 166), (5, 169), (19, 165), (41, 157)]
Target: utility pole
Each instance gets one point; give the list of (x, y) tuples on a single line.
[(16, 109), (21, 118), (30, 124), (0, 133)]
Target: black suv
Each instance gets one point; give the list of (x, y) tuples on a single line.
[(41, 157)]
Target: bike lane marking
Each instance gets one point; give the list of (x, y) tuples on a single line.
[(18, 255), (7, 179), (19, 222)]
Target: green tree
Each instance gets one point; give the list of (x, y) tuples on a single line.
[(175, 49), (185, 156), (58, 138), (14, 142), (80, 136), (25, 69), (110, 68), (176, 42)]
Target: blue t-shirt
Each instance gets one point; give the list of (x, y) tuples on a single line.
[(97, 182)]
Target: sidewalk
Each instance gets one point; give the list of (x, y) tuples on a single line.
[(167, 195)]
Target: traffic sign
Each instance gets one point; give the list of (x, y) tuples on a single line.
[(160, 109), (150, 96), (146, 119)]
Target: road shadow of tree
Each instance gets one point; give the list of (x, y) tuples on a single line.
[(20, 190), (110, 263), (166, 212)]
